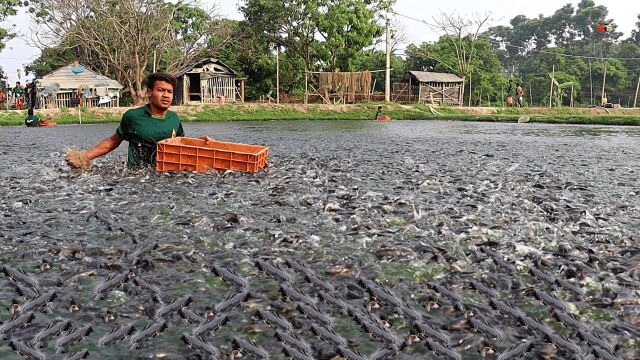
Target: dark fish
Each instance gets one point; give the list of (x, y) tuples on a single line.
[(144, 250), (191, 316), (26, 350), (147, 286), (16, 323), (80, 355), (570, 287), (380, 292), (127, 231), (294, 295), (292, 341), (549, 299), (38, 302), (484, 328), (331, 300), (455, 299), (273, 271), (432, 332), (349, 354), (53, 330), (72, 338), (506, 309), (568, 320), (328, 335), (412, 315), (298, 266), (541, 275), (174, 306), (229, 276), (232, 301), (536, 325), (103, 219), (149, 331), (20, 277), (441, 350), (562, 343), (249, 347), (201, 346), (313, 313), (478, 286), (111, 283), (211, 325), (315, 280), (594, 340), (604, 354), (23, 291), (497, 258), (295, 354), (384, 354), (116, 335), (516, 351), (274, 320), (379, 332)]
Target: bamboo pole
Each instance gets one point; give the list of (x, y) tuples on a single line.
[(530, 97), (604, 81), (553, 76), (635, 99), (571, 101), (591, 82)]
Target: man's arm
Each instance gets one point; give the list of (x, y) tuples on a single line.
[(104, 147)]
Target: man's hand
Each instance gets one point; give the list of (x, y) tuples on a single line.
[(78, 159), (207, 139)]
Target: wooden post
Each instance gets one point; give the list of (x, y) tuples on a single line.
[(530, 97), (571, 101), (278, 74), (591, 82), (553, 76), (306, 86), (470, 90), (442, 94), (242, 90), (635, 99), (461, 94), (604, 81)]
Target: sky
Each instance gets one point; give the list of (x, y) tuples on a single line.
[(19, 53)]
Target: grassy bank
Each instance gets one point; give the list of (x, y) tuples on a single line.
[(251, 111)]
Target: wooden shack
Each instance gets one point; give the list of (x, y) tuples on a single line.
[(76, 84), (429, 88), (208, 81)]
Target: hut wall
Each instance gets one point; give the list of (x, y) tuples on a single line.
[(219, 89), (448, 93)]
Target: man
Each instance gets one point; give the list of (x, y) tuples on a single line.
[(142, 127), (18, 92), (519, 95), (510, 93)]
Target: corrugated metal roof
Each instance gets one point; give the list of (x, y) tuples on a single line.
[(64, 78), (426, 76), (203, 62)]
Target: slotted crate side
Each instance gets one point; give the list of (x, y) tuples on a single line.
[(177, 154)]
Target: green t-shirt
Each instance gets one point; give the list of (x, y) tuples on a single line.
[(32, 120), (143, 130), (18, 91)]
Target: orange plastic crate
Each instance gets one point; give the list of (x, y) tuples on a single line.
[(190, 154)]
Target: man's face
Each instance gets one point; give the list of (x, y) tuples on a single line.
[(161, 95)]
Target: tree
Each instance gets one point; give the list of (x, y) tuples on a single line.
[(120, 37), (462, 33)]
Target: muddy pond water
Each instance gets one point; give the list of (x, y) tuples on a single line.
[(367, 239)]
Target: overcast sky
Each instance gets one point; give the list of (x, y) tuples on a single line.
[(624, 12)]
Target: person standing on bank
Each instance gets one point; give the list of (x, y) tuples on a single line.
[(142, 127)]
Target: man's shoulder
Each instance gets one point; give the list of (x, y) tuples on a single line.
[(172, 114)]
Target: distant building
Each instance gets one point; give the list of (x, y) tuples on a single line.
[(429, 88), (76, 84), (208, 81)]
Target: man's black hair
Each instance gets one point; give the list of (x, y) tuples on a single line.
[(30, 112), (159, 76), (18, 82), (379, 107)]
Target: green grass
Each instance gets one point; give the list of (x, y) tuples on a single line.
[(363, 111)]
